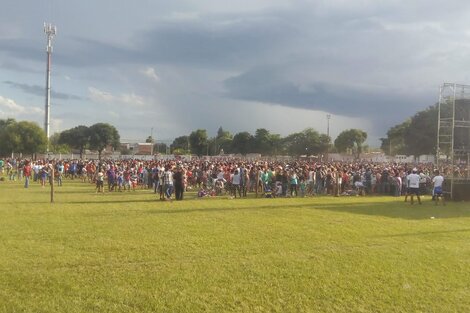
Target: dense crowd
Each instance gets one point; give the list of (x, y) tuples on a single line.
[(233, 177)]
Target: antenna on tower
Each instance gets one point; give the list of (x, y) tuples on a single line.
[(50, 31)]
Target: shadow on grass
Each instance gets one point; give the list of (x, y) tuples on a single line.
[(403, 210), (361, 206), (391, 210), (428, 233)]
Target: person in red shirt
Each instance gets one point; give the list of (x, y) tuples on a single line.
[(27, 173)]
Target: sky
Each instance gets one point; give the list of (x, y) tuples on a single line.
[(169, 67)]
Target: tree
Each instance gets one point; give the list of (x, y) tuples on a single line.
[(276, 144), (420, 136), (242, 143), (180, 143), (22, 137), (149, 139), (325, 143), (394, 143), (6, 147), (262, 142), (198, 141), (76, 138), (306, 142), (103, 135), (223, 141), (351, 139), (5, 123), (56, 146), (160, 148)]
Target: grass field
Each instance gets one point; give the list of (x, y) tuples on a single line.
[(128, 252)]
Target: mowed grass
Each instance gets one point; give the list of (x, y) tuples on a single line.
[(128, 252)]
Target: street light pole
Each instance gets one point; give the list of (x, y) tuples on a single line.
[(328, 116)]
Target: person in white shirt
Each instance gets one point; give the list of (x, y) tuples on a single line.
[(437, 182), (236, 183), (413, 185)]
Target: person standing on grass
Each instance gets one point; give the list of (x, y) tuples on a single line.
[(27, 173), (100, 182), (60, 173), (168, 182), (293, 180), (413, 183), (236, 178), (407, 185), (437, 182), (178, 178), (43, 175)]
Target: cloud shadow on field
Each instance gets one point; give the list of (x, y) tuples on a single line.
[(367, 207), (442, 232), (404, 211)]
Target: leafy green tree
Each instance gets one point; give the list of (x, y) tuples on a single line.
[(5, 123), (6, 147), (76, 138), (180, 143), (223, 141), (351, 139), (420, 136), (198, 141), (103, 135), (394, 143), (325, 143), (242, 143), (277, 146), (56, 146), (160, 148), (262, 142), (22, 137), (306, 142)]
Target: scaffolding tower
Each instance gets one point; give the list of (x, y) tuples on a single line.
[(453, 134)]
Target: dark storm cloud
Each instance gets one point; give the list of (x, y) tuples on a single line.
[(214, 43), (381, 60), (269, 85), (40, 91), (17, 67), (23, 49)]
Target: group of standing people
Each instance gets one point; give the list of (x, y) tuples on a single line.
[(234, 177)]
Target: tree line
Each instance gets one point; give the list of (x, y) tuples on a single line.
[(28, 138), (307, 142)]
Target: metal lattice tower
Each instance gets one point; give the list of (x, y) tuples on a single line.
[(453, 132), (50, 31)]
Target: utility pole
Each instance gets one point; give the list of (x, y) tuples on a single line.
[(50, 31)]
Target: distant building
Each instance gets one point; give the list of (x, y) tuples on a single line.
[(138, 148)]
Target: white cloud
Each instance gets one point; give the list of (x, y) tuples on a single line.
[(97, 95), (150, 73), (131, 99), (100, 96), (9, 106)]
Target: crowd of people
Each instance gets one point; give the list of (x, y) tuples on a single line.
[(170, 179)]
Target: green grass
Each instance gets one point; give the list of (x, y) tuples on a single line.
[(128, 252)]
